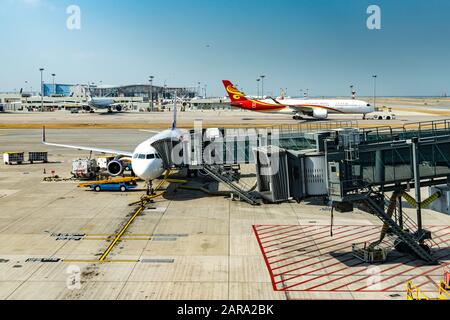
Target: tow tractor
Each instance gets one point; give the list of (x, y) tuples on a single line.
[(119, 184)]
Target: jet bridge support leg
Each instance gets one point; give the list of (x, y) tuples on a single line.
[(150, 190), (416, 162), (400, 210), (412, 241)]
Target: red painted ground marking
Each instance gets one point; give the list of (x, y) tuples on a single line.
[(321, 261), (306, 259), (296, 244), (278, 230), (356, 238), (388, 269), (276, 244), (274, 286), (429, 280), (316, 270), (377, 232), (363, 233), (424, 273), (341, 237), (267, 228)]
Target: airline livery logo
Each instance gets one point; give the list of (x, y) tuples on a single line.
[(235, 92)]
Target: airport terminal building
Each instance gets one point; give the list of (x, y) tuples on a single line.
[(70, 96), (132, 91), (143, 91)]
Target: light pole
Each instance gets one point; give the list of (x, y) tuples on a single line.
[(353, 92), (150, 96), (375, 91), (205, 89), (54, 85), (42, 88), (165, 89), (257, 87), (199, 89), (26, 85), (262, 86), (101, 88)]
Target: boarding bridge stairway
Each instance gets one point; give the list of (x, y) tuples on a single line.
[(391, 227), (405, 222), (242, 191), (408, 224)]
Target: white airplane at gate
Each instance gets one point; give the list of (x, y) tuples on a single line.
[(146, 162)]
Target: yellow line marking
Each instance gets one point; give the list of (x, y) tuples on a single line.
[(130, 221), (97, 261), (123, 239), (113, 235), (117, 238)]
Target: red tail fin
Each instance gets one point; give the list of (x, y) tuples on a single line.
[(235, 94)]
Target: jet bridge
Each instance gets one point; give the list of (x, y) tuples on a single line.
[(364, 165), (212, 150)]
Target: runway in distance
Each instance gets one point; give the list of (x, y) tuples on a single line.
[(315, 108)]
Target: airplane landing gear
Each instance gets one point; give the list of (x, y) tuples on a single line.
[(297, 117), (364, 116), (150, 190)]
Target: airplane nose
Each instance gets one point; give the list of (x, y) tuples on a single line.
[(145, 169), (141, 168)]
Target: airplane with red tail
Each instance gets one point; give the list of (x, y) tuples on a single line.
[(315, 108)]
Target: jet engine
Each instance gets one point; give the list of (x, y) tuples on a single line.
[(320, 113), (116, 168)]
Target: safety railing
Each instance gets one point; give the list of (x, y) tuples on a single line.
[(414, 129), (414, 293)]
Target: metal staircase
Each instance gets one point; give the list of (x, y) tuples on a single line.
[(407, 224), (239, 189), (412, 241)]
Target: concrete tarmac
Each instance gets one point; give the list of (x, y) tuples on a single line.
[(186, 245)]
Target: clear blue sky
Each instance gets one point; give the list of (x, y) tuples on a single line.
[(323, 45)]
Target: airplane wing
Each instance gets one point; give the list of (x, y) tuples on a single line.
[(307, 109), (100, 150), (151, 131)]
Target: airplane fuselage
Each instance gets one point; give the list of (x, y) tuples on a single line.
[(316, 108), (290, 106), (146, 162), (101, 103)]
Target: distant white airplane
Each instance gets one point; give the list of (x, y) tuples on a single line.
[(146, 162), (317, 108)]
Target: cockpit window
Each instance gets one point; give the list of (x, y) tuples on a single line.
[(368, 105), (147, 156)]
